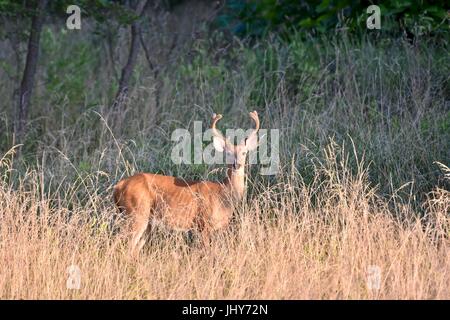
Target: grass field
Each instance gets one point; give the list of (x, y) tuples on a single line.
[(364, 178)]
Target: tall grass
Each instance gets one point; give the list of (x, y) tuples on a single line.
[(362, 122), (290, 241)]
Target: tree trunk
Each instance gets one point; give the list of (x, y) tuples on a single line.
[(127, 70), (26, 86)]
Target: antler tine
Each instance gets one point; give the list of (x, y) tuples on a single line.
[(215, 118), (254, 116)]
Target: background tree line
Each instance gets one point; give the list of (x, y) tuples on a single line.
[(242, 18)]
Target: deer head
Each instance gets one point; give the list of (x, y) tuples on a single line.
[(236, 154)]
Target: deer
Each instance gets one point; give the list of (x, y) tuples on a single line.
[(149, 199)]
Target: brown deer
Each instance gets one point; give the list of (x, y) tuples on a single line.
[(148, 199)]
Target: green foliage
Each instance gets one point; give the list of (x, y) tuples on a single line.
[(255, 18), (109, 14), (100, 10), (11, 8), (67, 71)]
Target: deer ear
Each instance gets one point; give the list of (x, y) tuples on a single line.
[(219, 144), (251, 143)]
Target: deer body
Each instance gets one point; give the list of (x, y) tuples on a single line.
[(152, 199)]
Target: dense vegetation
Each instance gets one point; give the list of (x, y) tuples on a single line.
[(252, 17), (364, 120)]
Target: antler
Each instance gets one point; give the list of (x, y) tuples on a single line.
[(254, 116), (215, 118), (252, 138)]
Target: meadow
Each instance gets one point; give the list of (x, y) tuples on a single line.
[(364, 180)]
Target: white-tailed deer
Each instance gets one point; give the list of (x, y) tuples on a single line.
[(148, 199)]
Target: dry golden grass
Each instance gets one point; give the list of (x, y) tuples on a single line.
[(288, 241)]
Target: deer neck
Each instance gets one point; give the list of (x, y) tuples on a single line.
[(235, 182)]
